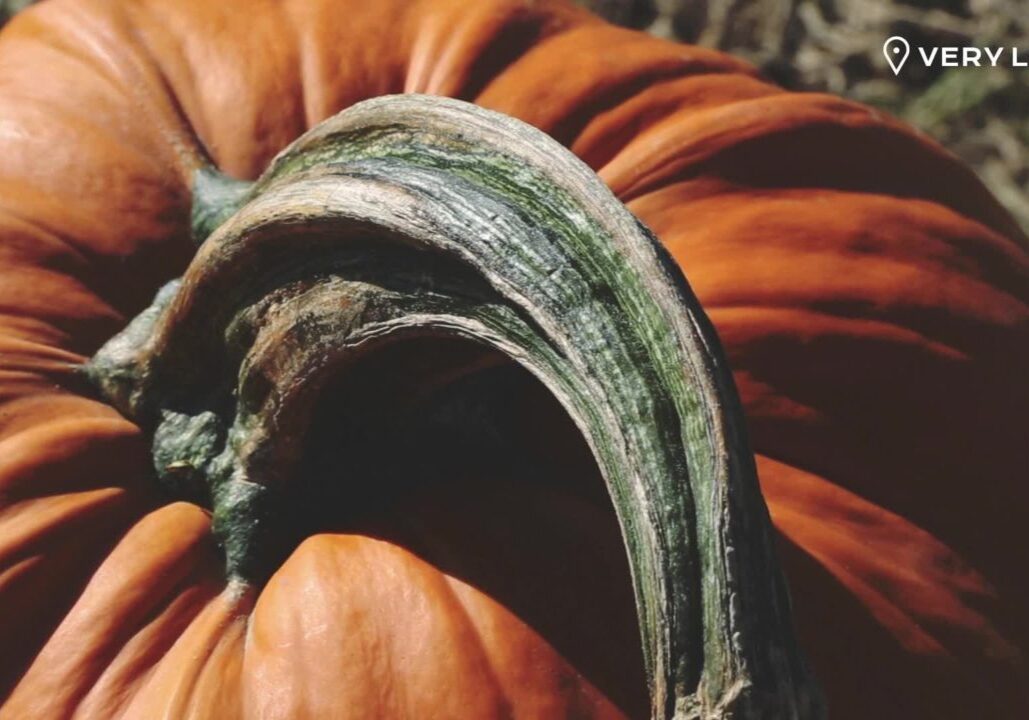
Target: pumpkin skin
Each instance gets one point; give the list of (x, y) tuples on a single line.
[(871, 295)]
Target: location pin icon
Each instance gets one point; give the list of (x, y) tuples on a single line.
[(896, 50)]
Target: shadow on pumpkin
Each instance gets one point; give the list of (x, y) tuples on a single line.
[(463, 458)]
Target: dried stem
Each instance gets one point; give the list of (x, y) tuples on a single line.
[(411, 216)]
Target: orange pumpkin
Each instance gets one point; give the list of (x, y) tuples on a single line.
[(873, 300)]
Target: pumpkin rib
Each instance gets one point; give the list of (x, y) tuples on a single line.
[(505, 708), (890, 458), (32, 406), (683, 140), (115, 600), (27, 522), (530, 84), (23, 444), (617, 91), (484, 515), (97, 44), (222, 668), (55, 529), (474, 646), (339, 556), (875, 290), (185, 124), (59, 40), (757, 142), (945, 595), (134, 664), (30, 239), (167, 116), (28, 621), (520, 32), (178, 685), (91, 317), (814, 322), (38, 359), (323, 555), (576, 697), (171, 682), (100, 107), (776, 228), (444, 60), (911, 284), (914, 230), (612, 129)]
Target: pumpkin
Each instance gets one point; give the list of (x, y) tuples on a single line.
[(871, 297)]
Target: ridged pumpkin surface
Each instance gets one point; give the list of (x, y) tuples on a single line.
[(872, 297)]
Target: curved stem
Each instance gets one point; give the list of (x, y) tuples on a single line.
[(417, 215)]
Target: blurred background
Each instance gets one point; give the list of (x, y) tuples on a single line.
[(836, 46)]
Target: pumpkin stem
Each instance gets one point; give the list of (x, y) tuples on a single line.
[(215, 198), (409, 216)]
